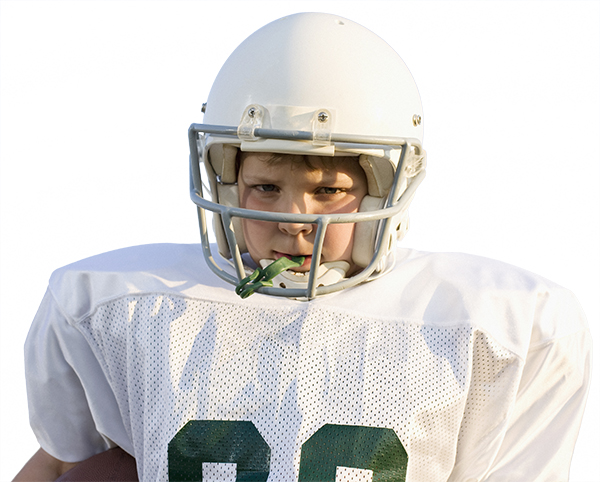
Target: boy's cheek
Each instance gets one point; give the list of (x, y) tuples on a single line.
[(339, 240), (257, 235), (250, 201)]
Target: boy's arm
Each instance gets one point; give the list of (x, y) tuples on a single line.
[(43, 467)]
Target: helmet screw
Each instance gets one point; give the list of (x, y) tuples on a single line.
[(251, 112), (322, 117), (416, 120), (203, 107)]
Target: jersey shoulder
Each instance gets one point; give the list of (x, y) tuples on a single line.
[(475, 272), (515, 306), (175, 269)]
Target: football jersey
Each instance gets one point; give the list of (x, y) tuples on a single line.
[(450, 367)]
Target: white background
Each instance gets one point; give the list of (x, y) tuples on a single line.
[(96, 99)]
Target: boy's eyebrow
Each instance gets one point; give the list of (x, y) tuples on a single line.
[(260, 178), (333, 177), (259, 175)]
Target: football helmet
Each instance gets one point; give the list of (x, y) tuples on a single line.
[(311, 84)]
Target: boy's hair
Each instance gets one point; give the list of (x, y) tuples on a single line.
[(327, 162)]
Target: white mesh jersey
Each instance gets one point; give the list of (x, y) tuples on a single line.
[(468, 368)]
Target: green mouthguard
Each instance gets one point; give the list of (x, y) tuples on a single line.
[(264, 277)]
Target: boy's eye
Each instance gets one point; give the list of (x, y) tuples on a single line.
[(330, 190), (266, 187)]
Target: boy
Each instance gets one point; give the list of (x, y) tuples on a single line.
[(442, 367)]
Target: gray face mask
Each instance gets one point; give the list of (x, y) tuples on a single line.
[(379, 223)]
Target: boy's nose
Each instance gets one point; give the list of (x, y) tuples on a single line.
[(294, 229), (298, 205)]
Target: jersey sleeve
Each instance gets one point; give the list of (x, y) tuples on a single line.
[(62, 374), (544, 420)]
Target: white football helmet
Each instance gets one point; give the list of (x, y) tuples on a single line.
[(318, 84)]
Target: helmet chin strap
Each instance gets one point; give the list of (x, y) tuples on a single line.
[(328, 273)]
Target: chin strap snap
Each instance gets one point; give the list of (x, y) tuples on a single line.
[(264, 276)]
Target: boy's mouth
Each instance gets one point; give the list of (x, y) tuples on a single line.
[(305, 266)]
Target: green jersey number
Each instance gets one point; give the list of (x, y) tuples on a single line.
[(217, 441), (240, 443)]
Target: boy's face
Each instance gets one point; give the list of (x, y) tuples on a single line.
[(287, 183)]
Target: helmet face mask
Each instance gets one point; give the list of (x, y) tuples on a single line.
[(251, 109)]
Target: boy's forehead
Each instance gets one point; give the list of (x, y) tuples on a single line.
[(348, 174)]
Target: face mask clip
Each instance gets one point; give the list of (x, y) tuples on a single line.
[(251, 120), (321, 127)]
